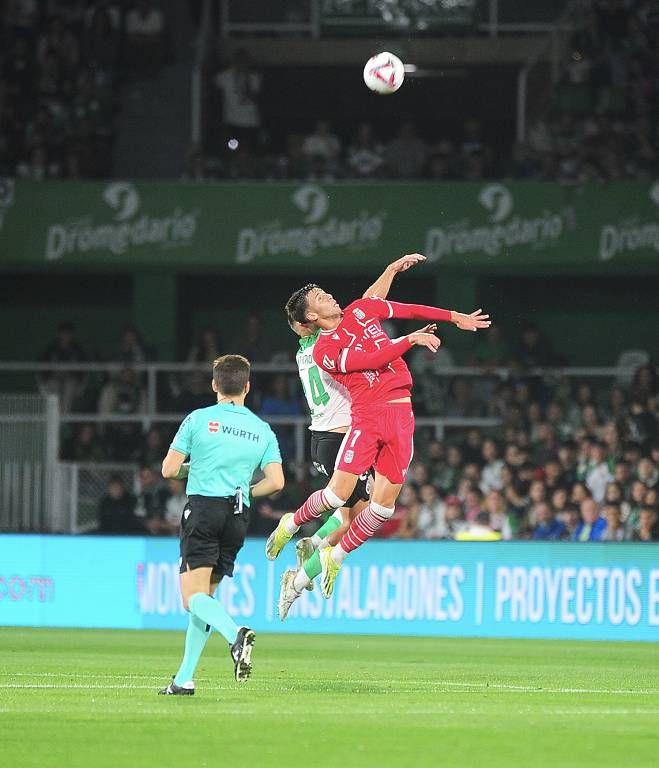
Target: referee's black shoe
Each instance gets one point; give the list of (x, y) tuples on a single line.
[(241, 653), (187, 689)]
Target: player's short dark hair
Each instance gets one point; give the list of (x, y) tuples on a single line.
[(296, 306), (231, 374)]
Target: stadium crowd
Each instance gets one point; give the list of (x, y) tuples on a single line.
[(61, 67), (571, 459)]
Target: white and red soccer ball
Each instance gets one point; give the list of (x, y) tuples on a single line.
[(384, 73)]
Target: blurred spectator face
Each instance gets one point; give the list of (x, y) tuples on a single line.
[(116, 489), (646, 520), (622, 473), (651, 498), (617, 399), (148, 478), (407, 496), (552, 471), (495, 503), (613, 517), (279, 387), (613, 493), (584, 394), (176, 487), (490, 450), (472, 499), (513, 455), (533, 412), (579, 493), (537, 492), (418, 473), (507, 475), (154, 439), (611, 436), (566, 455), (87, 434), (638, 492), (572, 518), (543, 514), (472, 472), (589, 416), (453, 509), (646, 471), (554, 413), (435, 450), (428, 494), (453, 456), (127, 377), (559, 498), (474, 438), (589, 511), (597, 453)]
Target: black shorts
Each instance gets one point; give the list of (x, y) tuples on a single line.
[(211, 534), (324, 450)]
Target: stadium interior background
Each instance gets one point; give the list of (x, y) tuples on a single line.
[(537, 116)]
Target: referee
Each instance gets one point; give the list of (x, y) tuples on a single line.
[(226, 443)]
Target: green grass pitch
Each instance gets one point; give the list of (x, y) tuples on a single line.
[(87, 699)]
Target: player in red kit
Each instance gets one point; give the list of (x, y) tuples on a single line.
[(354, 349)]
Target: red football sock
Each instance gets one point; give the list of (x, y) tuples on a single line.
[(319, 502), (365, 525)]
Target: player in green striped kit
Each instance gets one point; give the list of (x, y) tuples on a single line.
[(329, 405)]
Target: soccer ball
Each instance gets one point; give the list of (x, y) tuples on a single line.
[(384, 73)]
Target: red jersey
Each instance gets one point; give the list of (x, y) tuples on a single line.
[(360, 355)]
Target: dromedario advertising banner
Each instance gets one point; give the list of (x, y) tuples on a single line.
[(281, 226)]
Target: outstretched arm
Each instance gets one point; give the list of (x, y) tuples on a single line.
[(471, 322), (380, 288)]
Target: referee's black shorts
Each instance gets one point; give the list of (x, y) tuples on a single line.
[(324, 450), (211, 534)]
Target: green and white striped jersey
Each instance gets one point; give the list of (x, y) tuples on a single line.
[(329, 401)]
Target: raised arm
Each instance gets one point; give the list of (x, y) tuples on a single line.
[(380, 288)]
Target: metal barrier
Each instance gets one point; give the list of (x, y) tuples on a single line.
[(29, 448)]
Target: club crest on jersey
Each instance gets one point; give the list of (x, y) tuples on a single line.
[(358, 313), (213, 426), (336, 336), (348, 456), (328, 363)]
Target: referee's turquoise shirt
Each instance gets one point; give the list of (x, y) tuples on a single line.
[(226, 443)]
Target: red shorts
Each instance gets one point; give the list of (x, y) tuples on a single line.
[(383, 439)]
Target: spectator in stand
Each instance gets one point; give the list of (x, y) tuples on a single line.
[(648, 529), (122, 395), (65, 348), (280, 402), (132, 348), (365, 154), (176, 501), (324, 146), (84, 445), (534, 349), (431, 522), (636, 500), (153, 449), (547, 527), (572, 519), (206, 348), (152, 502), (254, 344), (403, 523), (406, 155), (116, 510), (491, 474), (240, 86), (101, 42), (615, 530), (592, 526), (455, 522), (491, 351), (145, 40), (597, 474), (498, 516)]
